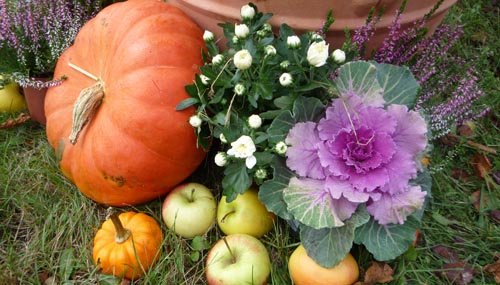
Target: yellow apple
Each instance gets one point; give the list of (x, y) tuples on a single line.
[(10, 99), (245, 215)]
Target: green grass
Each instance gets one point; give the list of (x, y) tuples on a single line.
[(48, 225)]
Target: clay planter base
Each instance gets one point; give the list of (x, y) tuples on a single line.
[(35, 99), (310, 15)]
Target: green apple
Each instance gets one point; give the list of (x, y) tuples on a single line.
[(238, 259), (189, 210), (245, 215), (10, 99)]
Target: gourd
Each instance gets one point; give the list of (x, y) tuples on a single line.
[(127, 245), (113, 122)]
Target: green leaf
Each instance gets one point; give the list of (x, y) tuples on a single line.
[(386, 242), (199, 243), (329, 246), (280, 126), (264, 89), (194, 256), (398, 83), (284, 102), (186, 103), (360, 78), (263, 157), (67, 263), (236, 180), (286, 31), (271, 191), (307, 109)]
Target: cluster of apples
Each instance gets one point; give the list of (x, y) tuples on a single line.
[(239, 258)]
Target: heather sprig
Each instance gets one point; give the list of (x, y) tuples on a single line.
[(33, 34)]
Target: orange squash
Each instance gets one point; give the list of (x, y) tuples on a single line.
[(126, 73), (127, 245)]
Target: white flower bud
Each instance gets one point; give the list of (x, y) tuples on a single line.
[(270, 50), (254, 121), (243, 59), (286, 79), (338, 56), (267, 27), (293, 41), (195, 121), (284, 64), (235, 40), (208, 36), (204, 79), (247, 12), (222, 138), (316, 36), (241, 31), (317, 54), (261, 173), (218, 59), (239, 89), (281, 147), (220, 159)]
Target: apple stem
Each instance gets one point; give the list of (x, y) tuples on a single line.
[(229, 248), (192, 195), (122, 234), (225, 216)]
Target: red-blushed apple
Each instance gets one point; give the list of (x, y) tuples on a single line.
[(189, 210), (245, 215), (237, 260)]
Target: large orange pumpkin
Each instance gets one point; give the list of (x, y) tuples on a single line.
[(131, 63)]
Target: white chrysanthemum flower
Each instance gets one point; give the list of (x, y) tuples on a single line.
[(270, 50), (243, 59), (239, 89), (195, 121), (293, 41), (317, 54), (281, 147), (204, 79), (241, 30), (244, 147), (286, 79), (220, 159), (247, 12), (254, 121), (218, 59), (338, 56), (208, 36)]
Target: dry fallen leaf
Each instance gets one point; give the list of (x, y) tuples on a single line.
[(466, 130), (446, 253), (481, 164), (494, 269), (495, 216), (459, 273), (377, 273), (460, 174), (480, 200)]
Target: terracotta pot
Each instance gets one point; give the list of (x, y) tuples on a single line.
[(35, 99), (310, 15)]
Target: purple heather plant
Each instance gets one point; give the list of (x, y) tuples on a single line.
[(361, 153), (33, 34)]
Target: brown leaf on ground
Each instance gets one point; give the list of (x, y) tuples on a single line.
[(125, 281), (479, 199), (460, 174), (466, 130), (495, 216), (377, 273), (481, 164), (446, 253), (417, 239), (494, 269), (459, 273)]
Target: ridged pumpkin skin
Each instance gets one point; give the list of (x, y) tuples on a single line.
[(120, 259), (137, 147)]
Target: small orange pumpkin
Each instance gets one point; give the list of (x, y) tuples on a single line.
[(127, 245), (113, 121)]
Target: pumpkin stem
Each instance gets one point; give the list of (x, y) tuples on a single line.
[(86, 105), (122, 234)]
